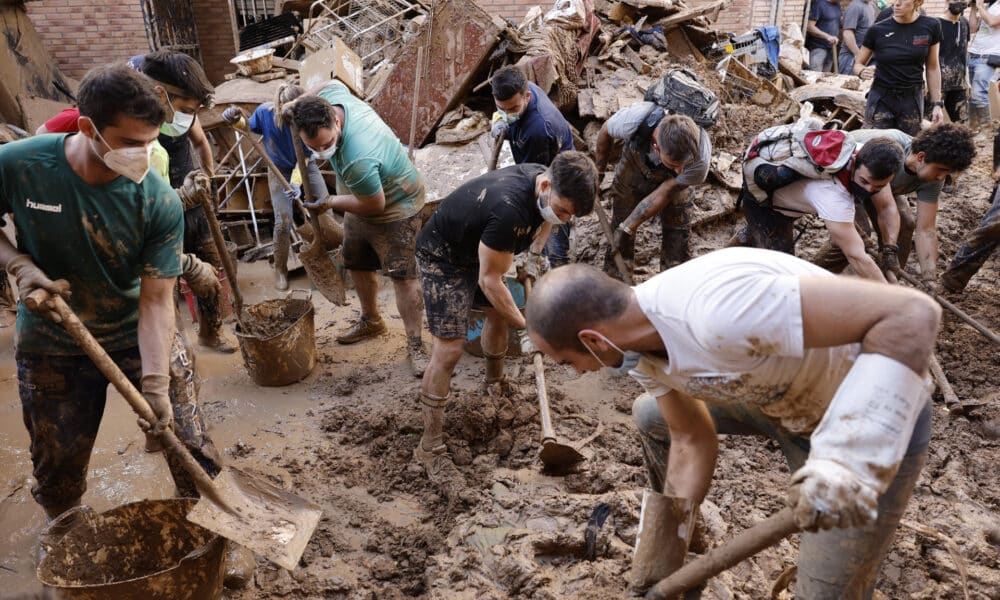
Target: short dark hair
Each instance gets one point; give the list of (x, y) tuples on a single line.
[(508, 82), (109, 91), (882, 155), (948, 144), (312, 113), (571, 298), (181, 71), (574, 177), (678, 137)]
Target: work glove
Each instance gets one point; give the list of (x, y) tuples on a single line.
[(201, 277), (527, 346), (621, 234), (536, 265), (890, 259), (28, 278), (156, 391), (320, 205), (498, 128), (292, 193), (825, 494), (232, 115)]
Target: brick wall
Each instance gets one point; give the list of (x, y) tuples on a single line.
[(83, 33), (216, 36), (512, 9)]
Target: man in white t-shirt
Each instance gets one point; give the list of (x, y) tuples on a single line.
[(770, 224), (750, 341), (984, 20)]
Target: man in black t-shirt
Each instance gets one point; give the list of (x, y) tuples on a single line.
[(464, 252), (904, 47), (954, 59)]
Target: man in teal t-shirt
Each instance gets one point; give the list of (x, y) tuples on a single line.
[(380, 193), (91, 220)]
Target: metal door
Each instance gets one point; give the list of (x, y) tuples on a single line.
[(170, 25)]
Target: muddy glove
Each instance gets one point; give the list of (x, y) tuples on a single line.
[(890, 259), (320, 205), (292, 193), (155, 389), (856, 449), (621, 234), (201, 277), (28, 278), (232, 115), (536, 265), (527, 346), (498, 128)]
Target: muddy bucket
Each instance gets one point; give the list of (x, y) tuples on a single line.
[(140, 551), (280, 346)]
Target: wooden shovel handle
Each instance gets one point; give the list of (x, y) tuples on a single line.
[(768, 532), (224, 256), (259, 148), (606, 226), (93, 349), (497, 147), (548, 433)]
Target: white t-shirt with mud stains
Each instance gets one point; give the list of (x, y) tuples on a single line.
[(731, 323), (826, 198)]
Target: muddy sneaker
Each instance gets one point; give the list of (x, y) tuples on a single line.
[(498, 388), (439, 467), (239, 566), (951, 284), (362, 330), (416, 355), (220, 343)]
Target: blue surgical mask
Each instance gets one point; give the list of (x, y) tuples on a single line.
[(630, 359), (180, 125)]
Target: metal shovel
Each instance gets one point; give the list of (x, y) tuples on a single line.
[(266, 519)]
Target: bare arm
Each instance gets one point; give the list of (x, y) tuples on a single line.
[(933, 69), (694, 446), (156, 324), (982, 12), (204, 148), (492, 266), (359, 205), (891, 320), (861, 68), (42, 129), (651, 205), (846, 237), (603, 148), (888, 215), (925, 239), (849, 42), (814, 31), (538, 243)]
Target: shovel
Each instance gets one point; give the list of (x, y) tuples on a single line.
[(555, 456), (252, 512), (606, 226), (768, 532), (227, 259), (497, 147)]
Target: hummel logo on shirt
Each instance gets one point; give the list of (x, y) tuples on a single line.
[(53, 208)]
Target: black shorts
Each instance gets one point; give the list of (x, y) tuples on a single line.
[(386, 246), (450, 291)]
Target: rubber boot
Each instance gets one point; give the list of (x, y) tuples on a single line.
[(210, 333), (240, 565), (665, 527), (431, 452), (281, 244), (59, 521)]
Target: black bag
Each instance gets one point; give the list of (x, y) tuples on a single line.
[(679, 92), (993, 60)]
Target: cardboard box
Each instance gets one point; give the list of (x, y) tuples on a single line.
[(335, 62)]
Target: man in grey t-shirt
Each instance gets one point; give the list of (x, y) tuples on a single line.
[(663, 156), (858, 17)]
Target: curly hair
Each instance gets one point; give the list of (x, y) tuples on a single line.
[(312, 113), (947, 144)]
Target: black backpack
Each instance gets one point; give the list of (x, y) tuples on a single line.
[(679, 92)]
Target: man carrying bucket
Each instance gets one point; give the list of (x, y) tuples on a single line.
[(381, 194), (464, 252), (755, 342)]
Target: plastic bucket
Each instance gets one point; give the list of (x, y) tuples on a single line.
[(140, 551), (477, 319), (280, 347)]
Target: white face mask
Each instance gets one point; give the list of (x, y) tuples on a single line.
[(509, 118), (180, 125), (132, 163), (325, 154), (548, 213)]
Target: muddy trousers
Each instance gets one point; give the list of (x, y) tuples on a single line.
[(830, 257), (901, 109), (975, 249), (766, 228), (62, 402), (634, 180), (198, 241), (833, 564)]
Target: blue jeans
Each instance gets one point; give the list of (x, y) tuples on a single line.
[(980, 75), (837, 563), (281, 205), (557, 247)]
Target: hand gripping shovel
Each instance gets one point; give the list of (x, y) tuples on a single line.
[(264, 518)]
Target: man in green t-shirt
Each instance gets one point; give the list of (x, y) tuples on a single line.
[(380, 193), (90, 221)]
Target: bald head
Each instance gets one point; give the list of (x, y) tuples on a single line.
[(570, 299)]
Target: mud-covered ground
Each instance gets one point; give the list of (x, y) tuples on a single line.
[(344, 438)]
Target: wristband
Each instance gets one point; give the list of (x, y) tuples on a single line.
[(622, 228)]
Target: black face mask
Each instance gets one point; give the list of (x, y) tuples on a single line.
[(956, 8), (859, 193)]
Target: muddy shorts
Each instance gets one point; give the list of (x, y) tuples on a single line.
[(450, 291), (386, 246), (895, 109)]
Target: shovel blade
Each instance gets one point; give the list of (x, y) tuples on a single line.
[(323, 273), (559, 457), (266, 519)]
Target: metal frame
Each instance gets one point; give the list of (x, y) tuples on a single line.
[(374, 29), (170, 25)]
